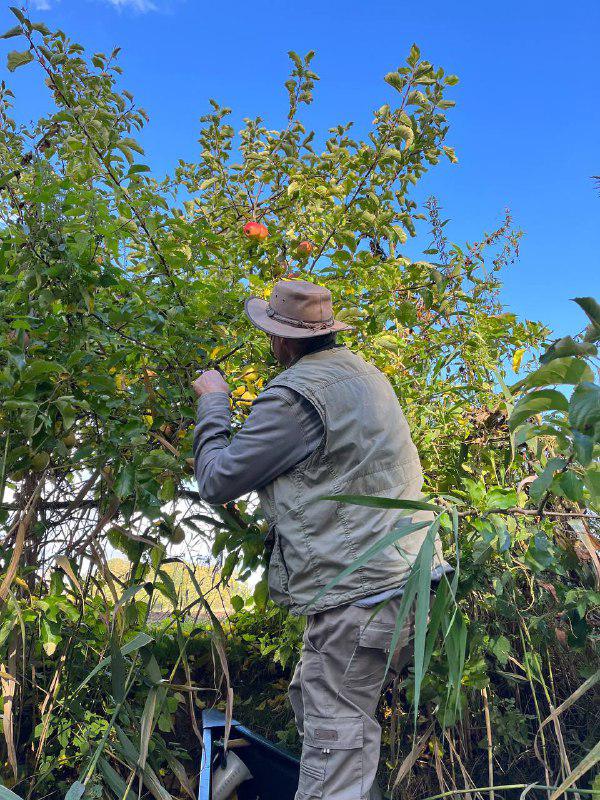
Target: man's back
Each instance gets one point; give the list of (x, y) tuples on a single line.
[(366, 449)]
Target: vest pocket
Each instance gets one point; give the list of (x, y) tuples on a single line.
[(278, 574)]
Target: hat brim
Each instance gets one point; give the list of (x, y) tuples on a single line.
[(256, 311)]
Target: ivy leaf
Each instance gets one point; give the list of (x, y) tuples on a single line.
[(17, 59)]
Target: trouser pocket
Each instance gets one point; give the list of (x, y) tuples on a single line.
[(367, 666), (332, 758)]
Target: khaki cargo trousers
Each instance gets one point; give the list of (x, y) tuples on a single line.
[(334, 694)]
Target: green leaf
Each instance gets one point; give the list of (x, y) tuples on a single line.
[(4, 179), (501, 498), (584, 408), (539, 555), (407, 314), (536, 403), (137, 643), (76, 791), (138, 168), (17, 59), (261, 594), (414, 55), (40, 369), (396, 80), (501, 648), (570, 486), (146, 724), (125, 481), (118, 669), (237, 602), (567, 346), (591, 308), (41, 27), (542, 483), (569, 370), (592, 333), (16, 31), (167, 490), (404, 528), (114, 781), (20, 16), (382, 502), (67, 410), (592, 483), (584, 447), (423, 570), (6, 794)]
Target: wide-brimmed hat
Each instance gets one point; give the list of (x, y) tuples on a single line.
[(295, 310)]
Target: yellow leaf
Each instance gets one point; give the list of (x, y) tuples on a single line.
[(516, 361), (64, 564), (216, 351), (250, 375), (148, 419)]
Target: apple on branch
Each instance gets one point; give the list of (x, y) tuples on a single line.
[(304, 248), (255, 231)]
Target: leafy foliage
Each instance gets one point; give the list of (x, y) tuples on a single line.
[(116, 287)]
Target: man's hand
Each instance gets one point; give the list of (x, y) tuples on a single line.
[(210, 381)]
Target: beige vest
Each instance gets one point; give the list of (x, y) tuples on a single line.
[(366, 450)]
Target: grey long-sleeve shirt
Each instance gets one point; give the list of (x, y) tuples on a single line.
[(282, 429)]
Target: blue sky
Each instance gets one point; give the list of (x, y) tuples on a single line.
[(526, 127)]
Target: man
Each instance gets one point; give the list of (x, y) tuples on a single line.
[(330, 423)]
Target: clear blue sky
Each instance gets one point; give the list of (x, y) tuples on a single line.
[(526, 127)]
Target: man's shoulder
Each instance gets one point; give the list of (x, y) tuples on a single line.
[(277, 394)]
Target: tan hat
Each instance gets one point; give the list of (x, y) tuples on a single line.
[(296, 310)]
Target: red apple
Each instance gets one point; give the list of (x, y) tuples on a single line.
[(255, 231), (304, 249)]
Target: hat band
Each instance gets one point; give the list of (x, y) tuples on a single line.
[(299, 323)]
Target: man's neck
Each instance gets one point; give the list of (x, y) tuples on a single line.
[(318, 349)]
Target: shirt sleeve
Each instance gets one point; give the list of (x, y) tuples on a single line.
[(282, 429)]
